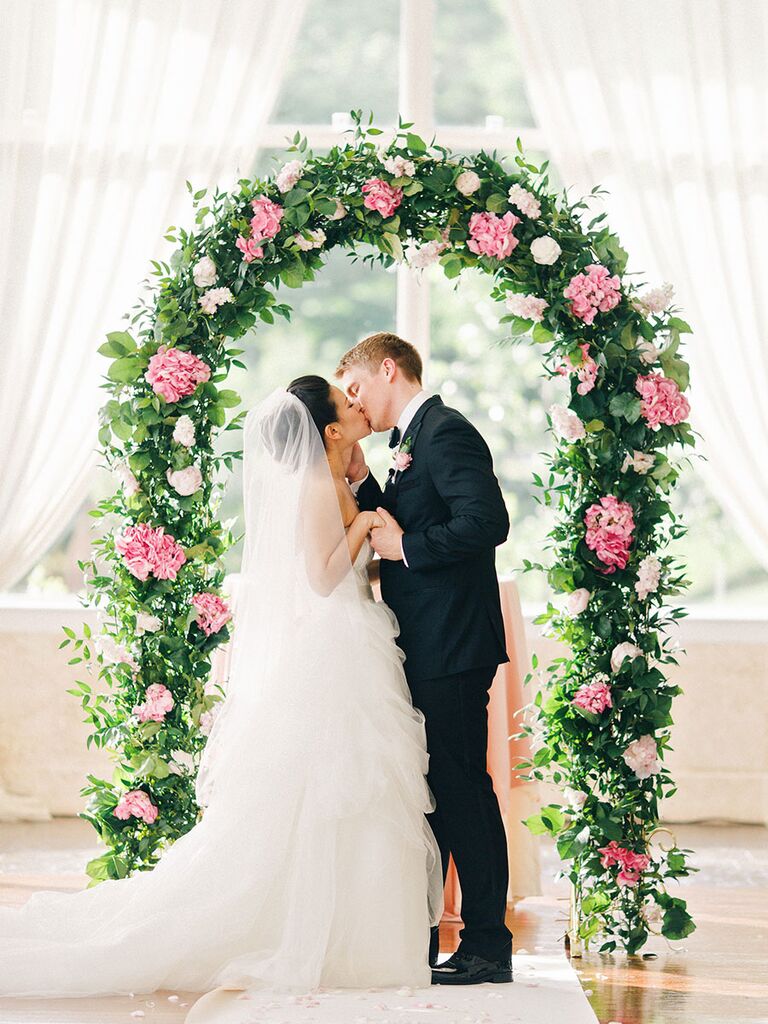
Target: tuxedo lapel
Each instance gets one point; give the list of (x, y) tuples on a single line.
[(411, 433)]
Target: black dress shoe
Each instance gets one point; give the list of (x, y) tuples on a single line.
[(468, 969), (434, 945)]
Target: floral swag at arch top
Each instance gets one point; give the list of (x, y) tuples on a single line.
[(600, 721)]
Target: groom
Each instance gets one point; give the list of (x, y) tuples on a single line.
[(443, 517)]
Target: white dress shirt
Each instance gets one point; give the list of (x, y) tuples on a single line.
[(404, 421)]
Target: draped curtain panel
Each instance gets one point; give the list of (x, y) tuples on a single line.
[(106, 108), (665, 104)]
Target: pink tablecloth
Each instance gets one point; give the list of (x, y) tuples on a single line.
[(517, 799)]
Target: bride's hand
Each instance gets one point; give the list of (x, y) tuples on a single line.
[(371, 519)]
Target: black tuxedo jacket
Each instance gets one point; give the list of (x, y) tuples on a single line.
[(449, 504)]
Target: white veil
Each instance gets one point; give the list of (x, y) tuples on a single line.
[(313, 861)]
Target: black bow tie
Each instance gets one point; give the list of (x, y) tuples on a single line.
[(394, 437)]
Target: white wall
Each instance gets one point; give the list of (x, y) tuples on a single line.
[(720, 736)]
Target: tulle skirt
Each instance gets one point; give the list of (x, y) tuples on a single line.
[(313, 864)]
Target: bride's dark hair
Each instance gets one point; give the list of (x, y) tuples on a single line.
[(315, 393)]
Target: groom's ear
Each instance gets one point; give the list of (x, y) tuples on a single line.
[(389, 366)]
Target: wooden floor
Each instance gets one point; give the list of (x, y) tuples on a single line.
[(719, 974)]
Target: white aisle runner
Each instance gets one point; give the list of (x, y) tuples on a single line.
[(545, 991)]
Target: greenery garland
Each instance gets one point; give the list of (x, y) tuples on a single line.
[(600, 725)]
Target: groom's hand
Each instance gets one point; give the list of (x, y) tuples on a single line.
[(386, 539), (357, 468)]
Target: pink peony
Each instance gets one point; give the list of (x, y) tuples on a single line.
[(593, 292), (250, 248), (381, 196), (642, 756), (492, 235), (185, 481), (594, 696), (610, 524), (136, 803), (577, 601), (159, 701), (631, 864), (265, 222), (661, 401), (174, 373), (622, 651), (212, 611), (148, 550)]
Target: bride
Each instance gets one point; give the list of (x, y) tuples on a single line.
[(313, 863)]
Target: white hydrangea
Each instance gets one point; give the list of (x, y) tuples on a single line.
[(113, 652), (211, 300), (648, 576), (566, 423), (399, 167), (655, 300), (525, 201)]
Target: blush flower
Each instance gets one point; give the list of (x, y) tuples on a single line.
[(661, 401), (610, 524), (622, 651), (467, 182), (381, 196), (174, 373), (525, 201), (204, 272), (289, 175), (648, 576), (213, 298), (147, 550), (529, 307), (631, 865), (136, 803), (595, 696), (212, 612), (642, 756), (586, 370), (593, 292), (492, 235), (159, 701), (566, 423)]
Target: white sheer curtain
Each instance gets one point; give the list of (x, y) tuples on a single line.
[(665, 104), (106, 108)]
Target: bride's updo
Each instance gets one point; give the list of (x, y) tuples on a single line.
[(315, 393)]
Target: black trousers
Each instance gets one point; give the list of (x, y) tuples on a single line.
[(467, 822)]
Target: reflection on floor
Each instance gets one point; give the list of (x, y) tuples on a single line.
[(719, 974)]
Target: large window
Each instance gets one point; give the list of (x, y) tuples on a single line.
[(347, 56)]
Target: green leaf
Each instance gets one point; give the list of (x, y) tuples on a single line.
[(125, 370), (496, 203), (416, 143), (228, 399), (542, 335), (216, 415), (679, 325)]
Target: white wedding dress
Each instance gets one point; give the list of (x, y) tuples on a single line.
[(313, 864)]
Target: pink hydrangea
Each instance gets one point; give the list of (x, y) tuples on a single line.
[(174, 373), (610, 524), (492, 235), (159, 701), (631, 864), (146, 549), (136, 803), (594, 696), (593, 292), (529, 307), (661, 400), (381, 196), (213, 612), (586, 370)]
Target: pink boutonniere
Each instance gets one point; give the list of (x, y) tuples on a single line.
[(402, 457)]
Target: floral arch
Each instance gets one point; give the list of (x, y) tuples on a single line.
[(600, 722)]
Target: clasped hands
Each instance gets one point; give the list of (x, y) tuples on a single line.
[(384, 530)]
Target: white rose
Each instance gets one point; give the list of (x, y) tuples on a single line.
[(147, 623), (566, 423), (399, 167), (576, 798), (315, 240), (204, 272), (184, 431), (128, 481), (185, 481), (577, 601), (622, 651), (341, 211), (545, 250), (289, 174), (468, 182)]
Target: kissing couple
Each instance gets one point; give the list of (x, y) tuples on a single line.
[(348, 760)]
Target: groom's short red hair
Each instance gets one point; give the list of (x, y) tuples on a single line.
[(373, 350)]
